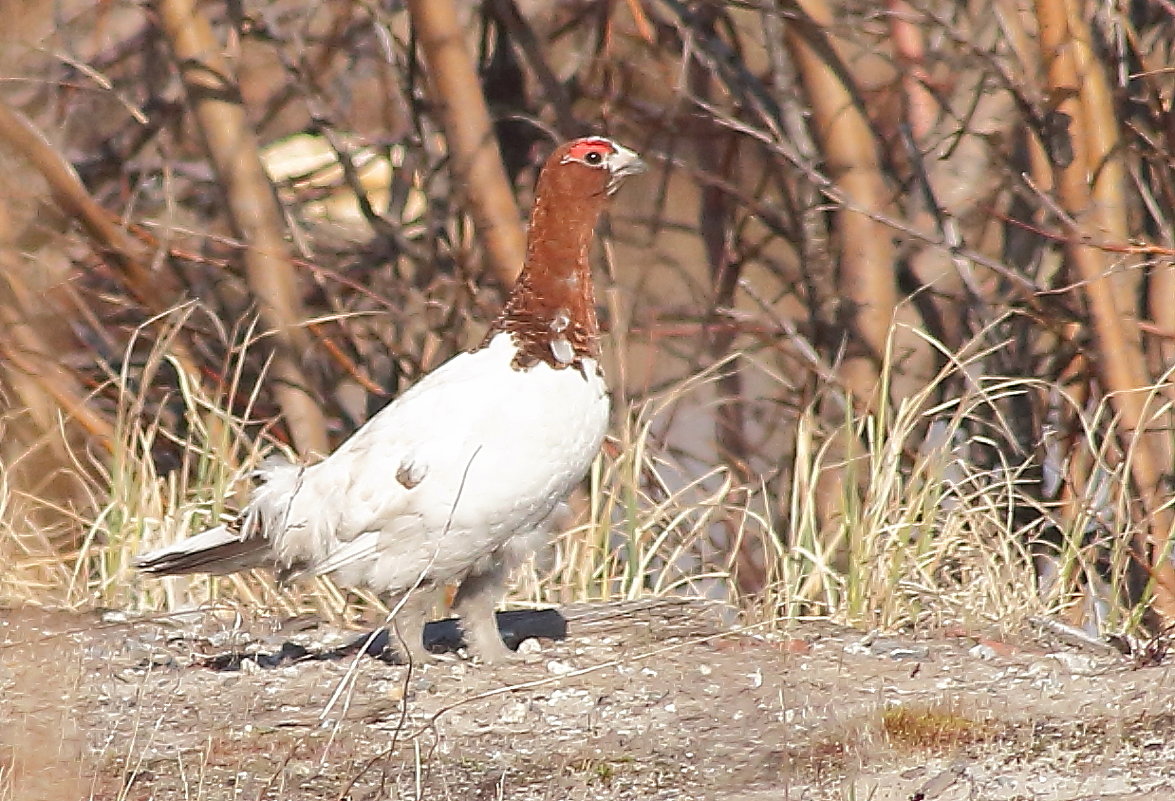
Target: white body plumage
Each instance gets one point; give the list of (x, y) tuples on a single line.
[(472, 455)]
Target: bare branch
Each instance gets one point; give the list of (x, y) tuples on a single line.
[(867, 254), (232, 148), (475, 160), (1118, 357)]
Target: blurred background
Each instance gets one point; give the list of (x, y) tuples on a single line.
[(889, 322)]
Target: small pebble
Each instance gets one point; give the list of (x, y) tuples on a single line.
[(982, 651), (1077, 664), (513, 713)]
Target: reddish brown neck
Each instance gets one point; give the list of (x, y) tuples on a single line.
[(551, 311)]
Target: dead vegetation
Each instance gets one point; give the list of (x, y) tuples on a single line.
[(889, 325)]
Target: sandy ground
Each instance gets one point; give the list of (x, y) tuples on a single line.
[(653, 700)]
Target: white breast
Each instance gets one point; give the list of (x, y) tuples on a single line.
[(475, 453)]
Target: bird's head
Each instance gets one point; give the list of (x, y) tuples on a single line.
[(551, 311), (590, 166)]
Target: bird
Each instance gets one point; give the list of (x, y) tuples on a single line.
[(460, 478)]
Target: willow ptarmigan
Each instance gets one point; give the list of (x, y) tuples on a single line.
[(458, 479)]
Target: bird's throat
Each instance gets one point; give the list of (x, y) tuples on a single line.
[(551, 311)]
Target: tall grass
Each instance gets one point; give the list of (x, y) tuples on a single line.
[(889, 518)]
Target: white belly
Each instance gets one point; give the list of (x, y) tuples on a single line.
[(494, 449)]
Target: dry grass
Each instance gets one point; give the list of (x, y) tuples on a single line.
[(890, 520), (729, 291), (932, 728)]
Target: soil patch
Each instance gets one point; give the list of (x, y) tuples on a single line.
[(657, 699)]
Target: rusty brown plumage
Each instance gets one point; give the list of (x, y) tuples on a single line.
[(551, 311)]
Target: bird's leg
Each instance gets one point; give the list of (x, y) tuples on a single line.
[(408, 624), (476, 598)]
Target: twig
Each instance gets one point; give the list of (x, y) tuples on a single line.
[(232, 148), (476, 163), (130, 256)]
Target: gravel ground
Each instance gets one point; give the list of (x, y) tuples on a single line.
[(647, 700)]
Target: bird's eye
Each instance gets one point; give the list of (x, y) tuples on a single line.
[(593, 157)]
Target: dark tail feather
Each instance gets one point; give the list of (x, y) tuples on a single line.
[(217, 551)]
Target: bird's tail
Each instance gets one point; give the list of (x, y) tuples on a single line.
[(242, 544), (216, 551)]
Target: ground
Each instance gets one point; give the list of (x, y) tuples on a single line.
[(649, 700)]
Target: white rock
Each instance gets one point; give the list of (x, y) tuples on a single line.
[(982, 651), (513, 713), (559, 668)]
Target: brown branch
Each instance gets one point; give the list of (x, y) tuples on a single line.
[(348, 365), (475, 160), (866, 248), (715, 217), (59, 384), (36, 375), (154, 290), (232, 148), (1117, 356), (1106, 159), (640, 19), (910, 48), (506, 13)]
